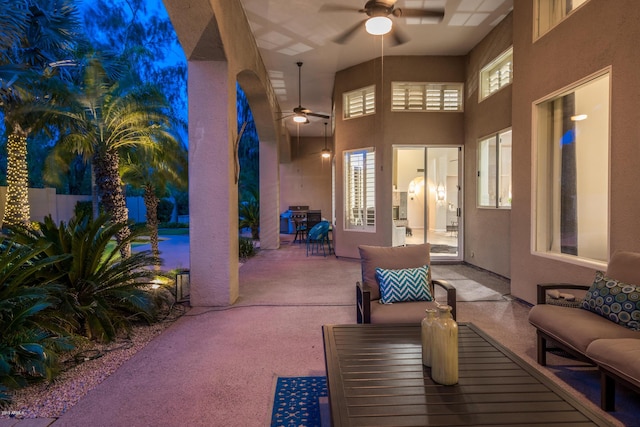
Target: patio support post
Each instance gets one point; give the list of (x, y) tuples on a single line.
[(269, 196), (213, 194)]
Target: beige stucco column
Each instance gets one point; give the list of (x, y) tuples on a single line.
[(269, 195), (213, 193)]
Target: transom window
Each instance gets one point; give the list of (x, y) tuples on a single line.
[(360, 102), (424, 96), (360, 192), (550, 13), (572, 172), (497, 74)]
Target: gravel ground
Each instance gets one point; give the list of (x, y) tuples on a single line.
[(50, 400)]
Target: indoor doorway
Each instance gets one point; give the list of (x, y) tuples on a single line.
[(427, 199)]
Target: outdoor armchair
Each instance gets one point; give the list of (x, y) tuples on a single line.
[(369, 308)]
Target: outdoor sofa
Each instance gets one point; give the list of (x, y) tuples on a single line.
[(596, 331)]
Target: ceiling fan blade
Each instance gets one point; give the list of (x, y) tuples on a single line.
[(347, 35), (398, 36), (285, 117), (419, 13), (323, 116), (334, 7)]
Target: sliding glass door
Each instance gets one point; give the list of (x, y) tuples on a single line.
[(427, 199)]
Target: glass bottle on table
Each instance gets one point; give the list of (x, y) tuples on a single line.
[(444, 353), (427, 335)]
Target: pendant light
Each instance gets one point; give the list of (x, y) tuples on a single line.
[(326, 153)]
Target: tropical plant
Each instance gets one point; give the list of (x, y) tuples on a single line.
[(246, 248), (104, 118), (156, 169), (47, 37), (102, 291), (249, 215), (165, 209), (30, 341)]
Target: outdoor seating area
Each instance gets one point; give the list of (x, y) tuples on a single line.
[(273, 305)]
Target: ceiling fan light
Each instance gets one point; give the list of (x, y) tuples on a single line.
[(378, 25), (326, 153), (299, 118)]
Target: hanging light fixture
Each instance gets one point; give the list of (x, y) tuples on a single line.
[(300, 118), (326, 152), (378, 25)]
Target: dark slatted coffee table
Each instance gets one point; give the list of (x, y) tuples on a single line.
[(375, 378)]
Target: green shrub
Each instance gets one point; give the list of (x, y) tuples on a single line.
[(83, 208), (101, 292), (165, 208), (249, 216), (30, 340), (246, 247)]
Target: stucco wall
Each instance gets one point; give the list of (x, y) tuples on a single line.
[(306, 180), (385, 129), (487, 232), (600, 34)]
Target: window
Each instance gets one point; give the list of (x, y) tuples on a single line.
[(416, 96), (359, 102), (572, 172), (494, 171), (497, 74), (550, 13), (360, 192)]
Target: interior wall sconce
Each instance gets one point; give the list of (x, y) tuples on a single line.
[(441, 193), (412, 189)]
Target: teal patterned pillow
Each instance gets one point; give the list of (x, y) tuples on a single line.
[(407, 284), (617, 301)]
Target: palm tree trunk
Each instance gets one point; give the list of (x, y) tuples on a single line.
[(111, 192), (17, 203), (151, 202)]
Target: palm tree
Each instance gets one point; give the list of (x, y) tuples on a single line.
[(155, 170), (103, 119), (47, 32)]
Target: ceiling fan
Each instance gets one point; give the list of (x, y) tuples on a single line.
[(378, 21), (300, 113)]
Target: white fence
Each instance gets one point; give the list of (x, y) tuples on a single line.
[(45, 201)]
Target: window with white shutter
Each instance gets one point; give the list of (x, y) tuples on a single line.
[(360, 102), (360, 197), (424, 96), (497, 74)]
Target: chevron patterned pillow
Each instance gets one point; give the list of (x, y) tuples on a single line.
[(407, 284)]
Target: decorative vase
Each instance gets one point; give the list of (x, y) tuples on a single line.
[(444, 353), (427, 333)]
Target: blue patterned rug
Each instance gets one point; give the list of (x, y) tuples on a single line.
[(296, 401)]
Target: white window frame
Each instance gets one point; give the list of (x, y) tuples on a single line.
[(548, 14), (545, 241), (358, 103), (494, 172), (360, 190), (427, 97), (496, 75)]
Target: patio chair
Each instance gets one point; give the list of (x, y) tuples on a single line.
[(301, 230), (317, 236), (410, 308)]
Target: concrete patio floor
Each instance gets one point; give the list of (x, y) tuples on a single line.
[(219, 366)]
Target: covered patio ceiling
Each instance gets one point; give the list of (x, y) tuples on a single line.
[(300, 30)]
